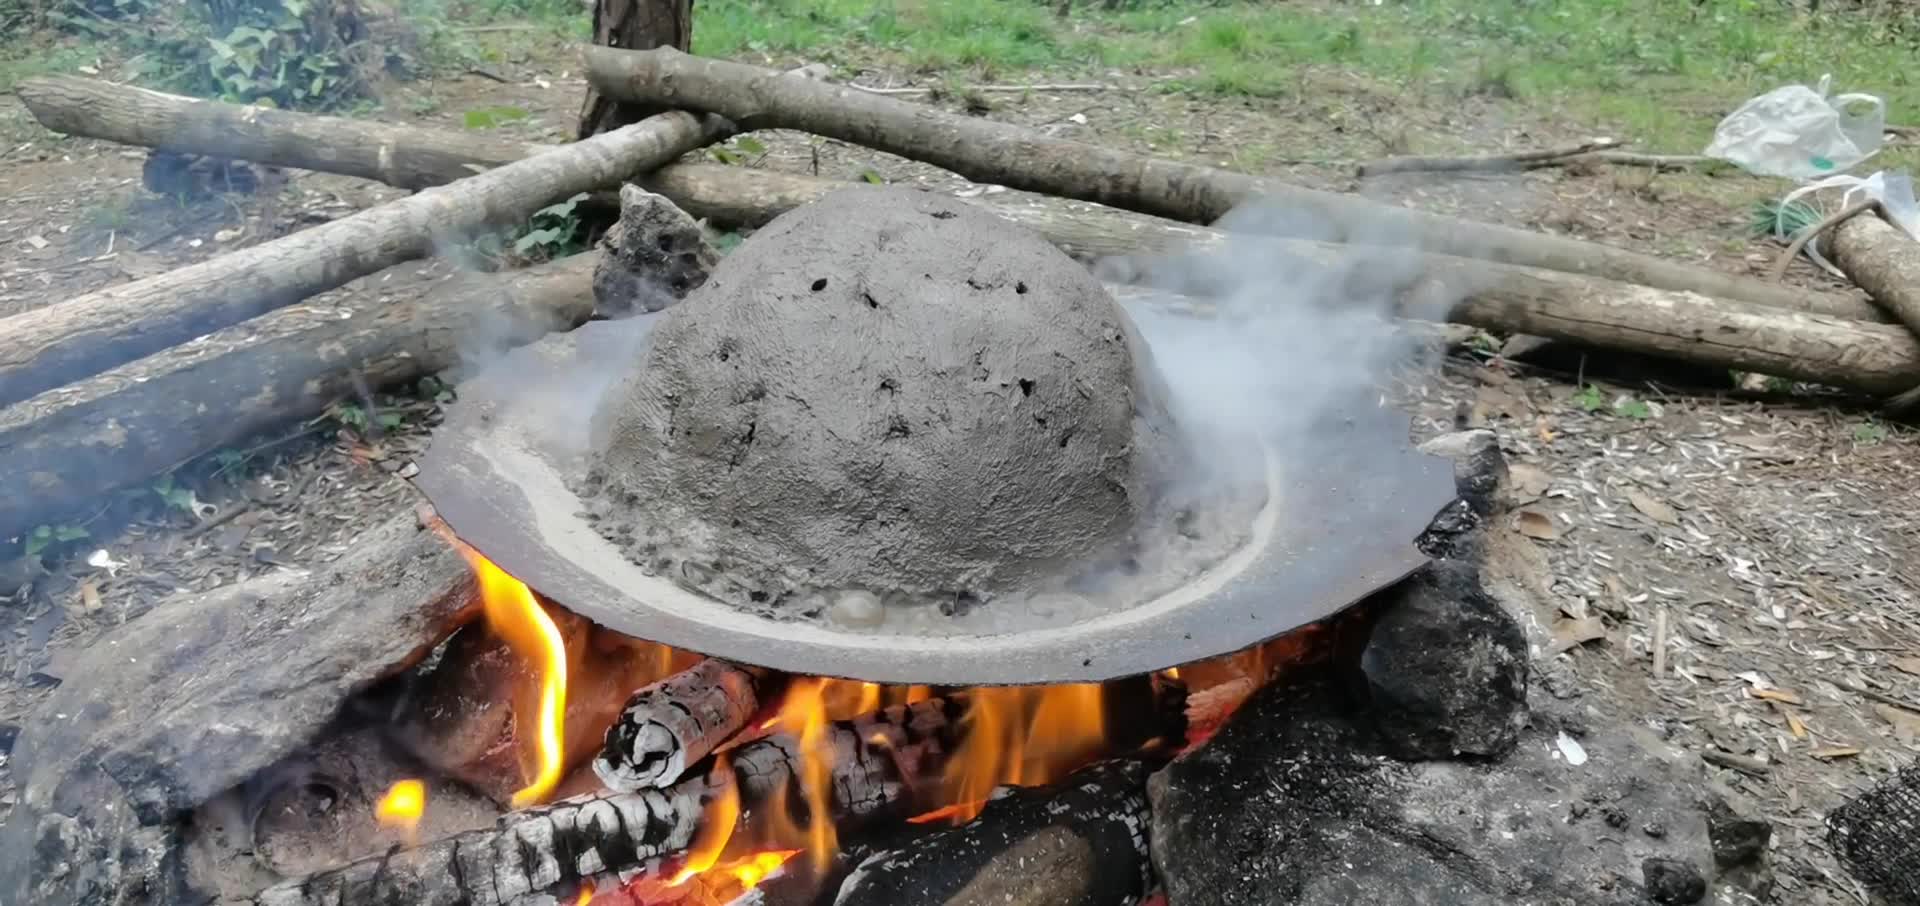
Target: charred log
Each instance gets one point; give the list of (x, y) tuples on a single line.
[(530, 854), (675, 723), (1082, 842)]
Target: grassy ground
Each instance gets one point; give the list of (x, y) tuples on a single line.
[(1661, 72)]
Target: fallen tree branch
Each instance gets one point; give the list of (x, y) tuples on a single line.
[(1881, 259), (65, 342), (1495, 163), (70, 445), (994, 89), (1656, 161), (1807, 235), (1001, 153)]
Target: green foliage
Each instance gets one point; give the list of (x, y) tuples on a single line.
[(1633, 408), (173, 495), (1868, 433), (553, 232), (1589, 399), (45, 538), (491, 117)]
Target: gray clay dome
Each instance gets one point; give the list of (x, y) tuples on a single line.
[(885, 392)]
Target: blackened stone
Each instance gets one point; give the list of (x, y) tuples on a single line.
[(1294, 802), (192, 698), (654, 256), (1672, 881), (1456, 533), (1738, 839), (8, 733), (1446, 667), (1479, 468)]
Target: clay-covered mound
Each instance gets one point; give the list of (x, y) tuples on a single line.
[(887, 391)]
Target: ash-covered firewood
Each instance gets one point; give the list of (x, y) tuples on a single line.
[(674, 723), (1080, 843), (529, 856), (885, 763), (655, 255)]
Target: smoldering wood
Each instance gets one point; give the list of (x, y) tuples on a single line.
[(675, 723), (640, 25), (883, 764), (414, 157), (69, 445), (198, 695), (1081, 842), (987, 151), (528, 855), (71, 340), (652, 257)]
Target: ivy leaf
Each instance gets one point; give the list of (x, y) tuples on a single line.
[(750, 145)]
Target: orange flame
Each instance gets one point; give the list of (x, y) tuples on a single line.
[(1021, 735), (749, 872), (403, 805), (716, 827), (803, 713), (514, 615), (586, 894)]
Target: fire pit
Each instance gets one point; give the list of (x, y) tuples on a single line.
[(895, 564)]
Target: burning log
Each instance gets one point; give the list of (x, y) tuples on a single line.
[(72, 444), (1080, 843), (1016, 157), (882, 764), (528, 855), (51, 346), (675, 723)]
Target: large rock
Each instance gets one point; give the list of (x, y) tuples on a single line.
[(1296, 802), (884, 390), (194, 697), (1446, 667)]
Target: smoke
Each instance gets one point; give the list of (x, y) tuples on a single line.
[(1298, 334)]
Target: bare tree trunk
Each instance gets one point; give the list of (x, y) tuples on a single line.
[(67, 341), (72, 444), (1005, 154), (1885, 262), (634, 25)]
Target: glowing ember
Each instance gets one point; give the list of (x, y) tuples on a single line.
[(403, 805), (586, 894), (716, 828), (514, 615), (749, 872)]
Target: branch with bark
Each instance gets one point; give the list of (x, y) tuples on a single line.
[(1490, 163), (676, 722), (1016, 157)]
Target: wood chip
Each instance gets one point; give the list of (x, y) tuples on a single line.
[(1529, 482), (1574, 633), (1794, 725), (1906, 724), (90, 596), (1535, 524), (1660, 643), (1651, 508), (1741, 763), (1775, 695), (1835, 752), (37, 241), (1907, 665)]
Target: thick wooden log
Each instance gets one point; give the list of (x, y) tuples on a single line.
[(674, 723), (1082, 842), (639, 25), (987, 151), (71, 340), (1885, 262), (528, 857), (67, 446), (415, 157)]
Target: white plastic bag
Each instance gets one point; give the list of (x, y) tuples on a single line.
[(1799, 133), (1892, 188)]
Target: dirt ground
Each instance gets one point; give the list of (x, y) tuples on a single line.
[(1773, 538)]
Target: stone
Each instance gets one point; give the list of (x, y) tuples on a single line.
[(1479, 468), (1672, 882), (885, 390), (1297, 802), (1446, 667), (1738, 838), (652, 257), (190, 700)]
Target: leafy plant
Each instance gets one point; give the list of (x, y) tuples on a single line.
[(553, 231), (174, 495), (1633, 408), (1867, 434), (1589, 399), (873, 176), (349, 415), (44, 537)]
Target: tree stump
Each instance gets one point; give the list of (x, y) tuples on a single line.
[(635, 25)]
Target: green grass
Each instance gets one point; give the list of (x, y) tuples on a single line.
[(1653, 68)]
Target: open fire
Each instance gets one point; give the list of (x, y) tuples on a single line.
[(920, 756)]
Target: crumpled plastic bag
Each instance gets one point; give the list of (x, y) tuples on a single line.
[(1892, 188), (1800, 133)]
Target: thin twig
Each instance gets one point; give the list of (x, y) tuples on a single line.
[(1740, 763), (1635, 159), (1883, 698), (1805, 236), (1524, 160)]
